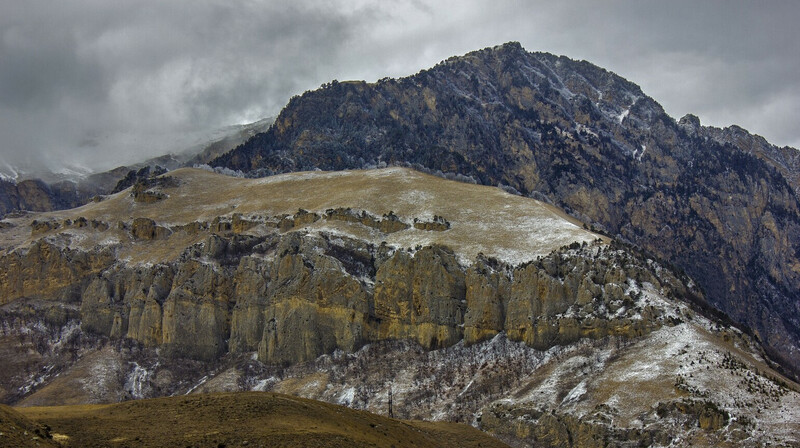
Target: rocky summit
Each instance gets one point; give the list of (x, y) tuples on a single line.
[(720, 204), (387, 290)]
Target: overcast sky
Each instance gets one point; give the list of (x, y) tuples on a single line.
[(100, 83)]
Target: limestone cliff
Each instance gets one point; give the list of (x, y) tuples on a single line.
[(295, 296)]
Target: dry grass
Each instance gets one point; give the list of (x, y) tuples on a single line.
[(510, 227), (248, 418)]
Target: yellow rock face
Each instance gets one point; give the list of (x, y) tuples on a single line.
[(292, 287), (294, 296)]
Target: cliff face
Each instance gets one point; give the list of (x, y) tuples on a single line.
[(720, 204), (36, 195), (292, 287), (46, 270), (293, 297)]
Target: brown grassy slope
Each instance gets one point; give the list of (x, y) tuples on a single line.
[(517, 228), (231, 419), (104, 367), (19, 432)]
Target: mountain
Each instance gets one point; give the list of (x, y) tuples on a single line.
[(257, 419), (462, 302), (720, 204), (565, 292), (42, 190)]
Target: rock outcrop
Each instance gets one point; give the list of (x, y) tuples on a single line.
[(48, 271), (36, 195), (295, 296)]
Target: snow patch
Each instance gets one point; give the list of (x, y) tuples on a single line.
[(347, 396), (137, 380), (8, 178), (199, 383), (265, 384), (74, 171), (575, 394), (638, 154), (466, 388), (11, 174)]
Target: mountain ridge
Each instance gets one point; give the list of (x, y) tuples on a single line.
[(590, 141)]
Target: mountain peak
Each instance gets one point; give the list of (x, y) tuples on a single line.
[(589, 139), (510, 48), (690, 120)]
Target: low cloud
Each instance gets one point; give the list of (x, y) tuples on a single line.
[(98, 83), (95, 83)]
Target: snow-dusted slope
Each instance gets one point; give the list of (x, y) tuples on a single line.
[(511, 228)]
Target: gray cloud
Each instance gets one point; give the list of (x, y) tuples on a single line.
[(95, 83), (98, 83)]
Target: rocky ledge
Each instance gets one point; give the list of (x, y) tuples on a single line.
[(292, 296)]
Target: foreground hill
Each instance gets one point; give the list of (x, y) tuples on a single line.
[(20, 432), (243, 419), (464, 302), (719, 203)]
